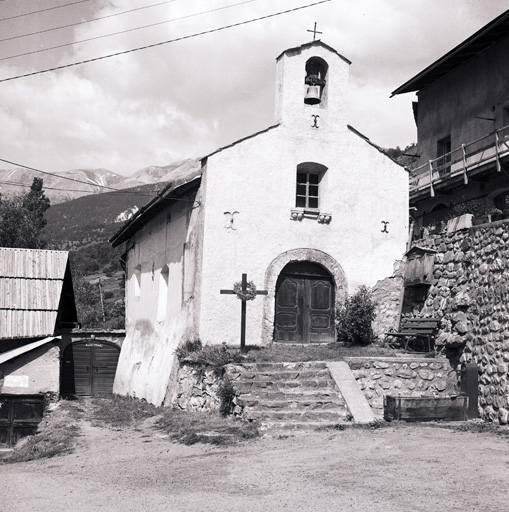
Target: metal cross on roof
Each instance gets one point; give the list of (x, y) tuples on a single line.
[(314, 32)]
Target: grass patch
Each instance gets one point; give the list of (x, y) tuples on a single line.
[(481, 427), (121, 411), (205, 427), (56, 435), (210, 357), (279, 352)]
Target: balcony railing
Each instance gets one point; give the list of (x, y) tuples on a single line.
[(462, 161)]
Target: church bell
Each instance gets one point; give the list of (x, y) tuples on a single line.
[(313, 95)]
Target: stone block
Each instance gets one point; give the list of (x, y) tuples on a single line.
[(426, 375), (404, 373)]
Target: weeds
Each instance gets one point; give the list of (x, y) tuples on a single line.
[(56, 436), (210, 357), (205, 427), (121, 411)]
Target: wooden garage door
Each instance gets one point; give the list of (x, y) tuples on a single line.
[(19, 417), (88, 368)]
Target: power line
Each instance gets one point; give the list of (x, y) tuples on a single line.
[(83, 22), (89, 183), (43, 10), (163, 42), (128, 30)]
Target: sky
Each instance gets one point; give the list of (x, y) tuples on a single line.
[(186, 98)]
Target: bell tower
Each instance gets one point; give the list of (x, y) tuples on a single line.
[(312, 88)]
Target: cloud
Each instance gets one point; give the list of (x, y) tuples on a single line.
[(187, 98)]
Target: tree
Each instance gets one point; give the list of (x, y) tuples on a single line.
[(22, 218)]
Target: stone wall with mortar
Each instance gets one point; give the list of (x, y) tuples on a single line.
[(402, 376), (470, 293), (387, 294), (195, 390)]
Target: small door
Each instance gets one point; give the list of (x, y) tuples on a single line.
[(19, 417), (304, 305), (88, 368)]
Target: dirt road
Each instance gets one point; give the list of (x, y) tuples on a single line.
[(398, 468)]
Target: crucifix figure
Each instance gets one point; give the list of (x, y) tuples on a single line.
[(314, 32), (243, 299)]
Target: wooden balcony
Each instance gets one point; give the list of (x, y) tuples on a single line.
[(460, 164)]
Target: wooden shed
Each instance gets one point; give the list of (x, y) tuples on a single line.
[(419, 266), (36, 306)]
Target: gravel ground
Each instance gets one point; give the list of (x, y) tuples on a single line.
[(392, 469)]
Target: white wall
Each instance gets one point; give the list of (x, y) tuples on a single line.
[(148, 352), (257, 178)]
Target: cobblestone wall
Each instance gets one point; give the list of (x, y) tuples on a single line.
[(470, 293), (402, 376)]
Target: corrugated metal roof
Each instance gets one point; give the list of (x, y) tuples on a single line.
[(32, 263), (31, 282)]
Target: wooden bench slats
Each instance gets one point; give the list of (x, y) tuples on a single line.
[(416, 327)]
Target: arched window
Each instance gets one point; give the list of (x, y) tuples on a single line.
[(316, 81), (162, 300), (309, 176), (137, 280)]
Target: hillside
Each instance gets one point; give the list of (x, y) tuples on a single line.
[(68, 185)]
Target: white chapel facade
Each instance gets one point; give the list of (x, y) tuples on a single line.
[(309, 209)]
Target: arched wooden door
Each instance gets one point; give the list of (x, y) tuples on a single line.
[(304, 304), (88, 368)]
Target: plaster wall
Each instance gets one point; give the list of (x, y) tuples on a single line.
[(291, 89), (452, 105), (257, 179), (147, 356), (34, 372)]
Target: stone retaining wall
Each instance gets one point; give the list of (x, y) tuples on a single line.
[(402, 376), (387, 295), (195, 390), (470, 293)]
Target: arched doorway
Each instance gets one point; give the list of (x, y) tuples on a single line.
[(88, 368), (305, 301)]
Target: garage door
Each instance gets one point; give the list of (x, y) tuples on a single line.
[(88, 368)]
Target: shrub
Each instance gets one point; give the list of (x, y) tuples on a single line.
[(355, 316), (226, 394), (211, 357)]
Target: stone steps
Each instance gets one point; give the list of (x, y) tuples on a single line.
[(289, 395)]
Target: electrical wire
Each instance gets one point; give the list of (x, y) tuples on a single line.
[(225, 27), (127, 30), (24, 185), (89, 183), (84, 21), (43, 10)]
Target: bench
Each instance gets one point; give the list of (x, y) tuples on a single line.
[(416, 327)]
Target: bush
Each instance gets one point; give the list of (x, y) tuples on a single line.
[(211, 357), (355, 316)]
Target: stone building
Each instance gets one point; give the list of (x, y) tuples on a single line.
[(309, 209), (462, 117), (459, 194)]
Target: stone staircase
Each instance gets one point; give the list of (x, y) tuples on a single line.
[(300, 395)]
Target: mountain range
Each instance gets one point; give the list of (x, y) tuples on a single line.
[(65, 186)]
